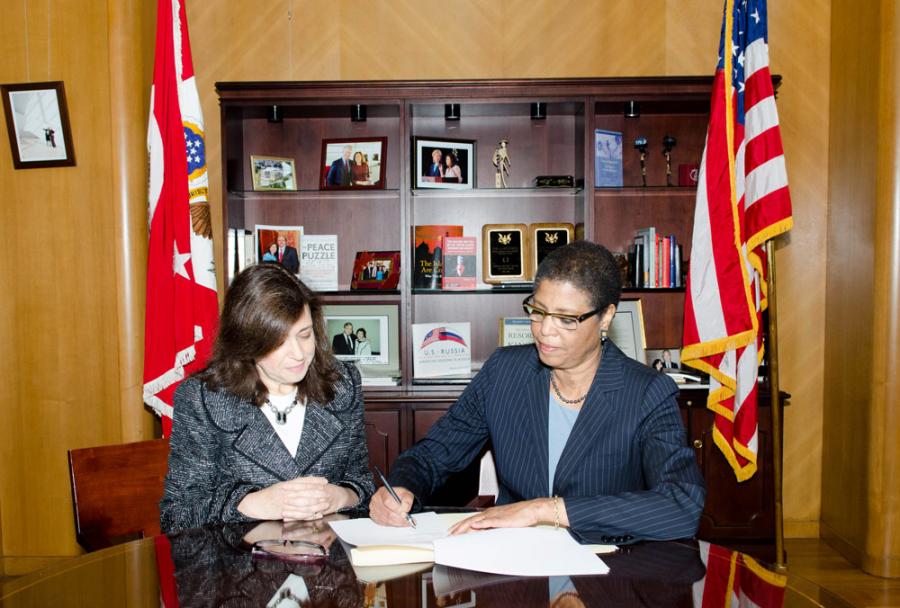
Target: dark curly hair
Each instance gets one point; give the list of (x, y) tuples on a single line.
[(589, 267), (262, 304)]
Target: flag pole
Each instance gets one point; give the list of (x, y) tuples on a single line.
[(780, 562)]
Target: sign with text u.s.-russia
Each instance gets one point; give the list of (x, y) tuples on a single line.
[(441, 349)]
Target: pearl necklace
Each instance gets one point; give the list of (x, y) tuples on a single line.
[(281, 415), (559, 394)]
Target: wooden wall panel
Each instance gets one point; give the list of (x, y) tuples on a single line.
[(851, 248), (60, 363)]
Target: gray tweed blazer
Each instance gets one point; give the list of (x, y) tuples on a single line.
[(223, 447)]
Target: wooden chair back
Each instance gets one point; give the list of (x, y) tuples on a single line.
[(116, 491)]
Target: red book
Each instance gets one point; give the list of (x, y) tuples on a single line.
[(428, 256), (459, 262)]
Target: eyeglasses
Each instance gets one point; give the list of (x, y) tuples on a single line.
[(291, 550), (560, 320)]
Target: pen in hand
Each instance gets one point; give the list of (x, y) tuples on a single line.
[(391, 491)]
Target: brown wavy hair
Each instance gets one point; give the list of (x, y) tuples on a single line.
[(262, 304)]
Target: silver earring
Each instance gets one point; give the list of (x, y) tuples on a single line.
[(603, 336)]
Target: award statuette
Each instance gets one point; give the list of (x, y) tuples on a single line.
[(504, 255), (547, 237), (501, 164), (640, 145), (668, 143)]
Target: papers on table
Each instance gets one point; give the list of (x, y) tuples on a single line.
[(518, 552), (510, 551)]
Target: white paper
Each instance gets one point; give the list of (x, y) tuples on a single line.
[(518, 552), (364, 532)]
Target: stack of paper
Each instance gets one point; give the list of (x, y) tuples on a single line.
[(537, 551)]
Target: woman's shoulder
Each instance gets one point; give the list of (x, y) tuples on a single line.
[(223, 408)]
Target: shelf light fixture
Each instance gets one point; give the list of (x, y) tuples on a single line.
[(358, 113), (273, 114), (632, 109), (451, 111), (538, 110)]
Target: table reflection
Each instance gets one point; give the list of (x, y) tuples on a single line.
[(213, 567)]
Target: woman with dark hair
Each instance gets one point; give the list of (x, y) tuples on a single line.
[(362, 348), (359, 170), (272, 428), (451, 171), (582, 436)]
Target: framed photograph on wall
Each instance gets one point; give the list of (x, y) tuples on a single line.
[(368, 334), (273, 173), (376, 270), (444, 163), (37, 120), (353, 164)]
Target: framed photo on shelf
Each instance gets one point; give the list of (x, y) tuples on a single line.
[(627, 329), (279, 244), (546, 238), (273, 173), (368, 334), (505, 257), (353, 164), (37, 120), (444, 163), (376, 270), (664, 358)]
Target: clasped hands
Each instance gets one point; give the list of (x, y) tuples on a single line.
[(303, 498), (386, 511)]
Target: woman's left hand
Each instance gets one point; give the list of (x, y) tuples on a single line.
[(516, 515), (308, 491)]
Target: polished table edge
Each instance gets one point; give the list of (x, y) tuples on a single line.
[(795, 583)]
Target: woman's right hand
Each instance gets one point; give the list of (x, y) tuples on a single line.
[(302, 498)]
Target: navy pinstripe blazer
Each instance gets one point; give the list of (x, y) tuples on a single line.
[(222, 448), (626, 472)]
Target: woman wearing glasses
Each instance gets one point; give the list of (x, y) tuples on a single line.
[(582, 436), (273, 427)]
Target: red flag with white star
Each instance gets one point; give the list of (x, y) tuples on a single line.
[(182, 307)]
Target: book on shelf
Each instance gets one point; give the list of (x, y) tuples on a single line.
[(380, 380), (655, 260), (428, 254), (441, 349), (318, 261), (460, 256)]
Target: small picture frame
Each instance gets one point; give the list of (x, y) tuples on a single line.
[(627, 329), (353, 164), (376, 270), (273, 173), (546, 238), (505, 253), (279, 244), (381, 329), (664, 359), (444, 163), (37, 120)]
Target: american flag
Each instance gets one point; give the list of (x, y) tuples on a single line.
[(182, 306), (736, 580), (742, 201), (439, 334)]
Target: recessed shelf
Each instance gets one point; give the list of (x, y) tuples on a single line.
[(495, 192), (315, 194)]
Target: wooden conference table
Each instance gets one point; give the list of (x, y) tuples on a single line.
[(213, 567)]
